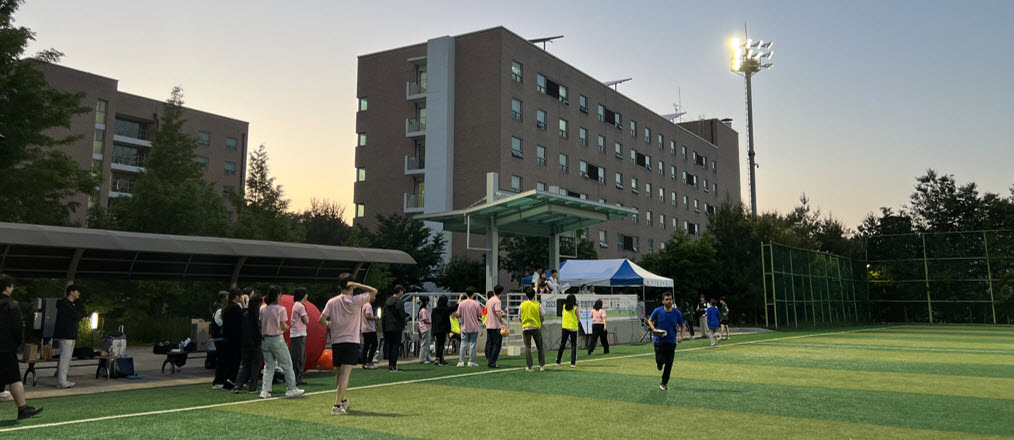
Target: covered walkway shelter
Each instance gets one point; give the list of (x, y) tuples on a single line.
[(531, 213), (36, 251)]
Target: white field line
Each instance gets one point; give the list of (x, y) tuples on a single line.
[(387, 384)]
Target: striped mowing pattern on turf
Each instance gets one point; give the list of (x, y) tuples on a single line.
[(806, 385)]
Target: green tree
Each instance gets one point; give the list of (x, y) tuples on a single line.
[(324, 224), (690, 263), (410, 235), (262, 209), (462, 272), (37, 181), (520, 256), (170, 196)]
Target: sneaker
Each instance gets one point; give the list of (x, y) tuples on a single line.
[(236, 390), (663, 387), (395, 370), (573, 366), (371, 366), (295, 392), (494, 366), (70, 384), (6, 396), (461, 364), (528, 369), (216, 386), (338, 410), (27, 412), (558, 364), (444, 363), (473, 364), (542, 368), (345, 404), (265, 395)]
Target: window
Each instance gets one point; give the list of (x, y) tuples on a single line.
[(692, 229), (633, 128), (516, 183), (684, 152), (362, 104), (674, 198), (516, 109), (360, 174), (714, 166), (602, 144), (647, 218), (122, 183), (540, 119), (563, 128), (636, 218), (563, 94), (231, 144), (360, 210), (540, 155), (626, 242), (540, 83), (709, 209), (563, 162), (603, 240), (672, 172), (705, 185), (714, 188), (540, 186), (593, 172), (132, 156), (686, 202), (203, 138), (602, 113), (517, 71), (133, 129), (647, 189), (99, 140), (661, 221), (516, 147), (675, 223), (230, 168), (647, 135), (226, 190), (672, 148), (582, 135), (700, 160), (619, 180), (362, 140), (619, 151), (660, 142), (633, 185), (203, 161), (661, 245), (697, 206), (651, 245), (582, 102), (661, 168), (100, 111), (661, 195)]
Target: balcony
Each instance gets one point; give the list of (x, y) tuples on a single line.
[(415, 128), (413, 203), (415, 91), (415, 165)]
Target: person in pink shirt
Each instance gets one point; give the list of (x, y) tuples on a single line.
[(369, 330), (297, 333), (273, 324), (425, 330), (343, 316), (598, 328), (494, 323), (469, 316)]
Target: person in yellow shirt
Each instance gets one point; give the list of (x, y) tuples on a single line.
[(532, 315), (570, 313)]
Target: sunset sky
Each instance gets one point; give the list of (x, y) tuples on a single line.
[(863, 97)]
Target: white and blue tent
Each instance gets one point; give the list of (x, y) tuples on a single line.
[(607, 273)]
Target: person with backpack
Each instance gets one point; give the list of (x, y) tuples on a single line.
[(12, 326), (441, 326), (250, 345), (569, 328), (273, 325)]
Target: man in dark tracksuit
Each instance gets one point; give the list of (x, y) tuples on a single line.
[(11, 333), (68, 315), (395, 321)]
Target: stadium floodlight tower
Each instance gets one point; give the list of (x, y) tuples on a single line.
[(748, 58)]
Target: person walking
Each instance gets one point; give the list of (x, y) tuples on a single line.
[(395, 321), (297, 333), (369, 336), (664, 322), (425, 331), (702, 318), (273, 325), (688, 306), (599, 330), (230, 347), (469, 314), (713, 317), (441, 326), (68, 315), (532, 314), (12, 326), (569, 328), (724, 318), (250, 344), (494, 324), (343, 317)]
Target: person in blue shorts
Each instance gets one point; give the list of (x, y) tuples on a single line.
[(664, 322), (712, 313)]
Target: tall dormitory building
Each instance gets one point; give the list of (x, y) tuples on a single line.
[(435, 117)]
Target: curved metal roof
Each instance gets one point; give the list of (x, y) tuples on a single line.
[(36, 251)]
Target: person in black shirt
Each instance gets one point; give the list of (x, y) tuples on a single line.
[(68, 314), (250, 345), (702, 319), (232, 331), (12, 326), (395, 321), (441, 317)]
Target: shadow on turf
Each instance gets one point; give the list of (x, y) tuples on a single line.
[(705, 390), (376, 414)]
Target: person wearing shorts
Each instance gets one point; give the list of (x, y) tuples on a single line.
[(724, 317), (343, 316), (11, 331)]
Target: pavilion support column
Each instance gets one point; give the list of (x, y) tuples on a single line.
[(72, 268), (554, 253), (492, 255)]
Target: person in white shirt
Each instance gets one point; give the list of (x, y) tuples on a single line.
[(553, 282)]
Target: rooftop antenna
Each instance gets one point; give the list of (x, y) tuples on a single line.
[(545, 40), (677, 115), (615, 83)]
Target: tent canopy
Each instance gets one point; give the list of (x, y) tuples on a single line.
[(607, 273)]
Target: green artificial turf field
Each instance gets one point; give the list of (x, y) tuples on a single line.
[(890, 382)]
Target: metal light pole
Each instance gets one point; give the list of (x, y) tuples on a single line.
[(747, 59)]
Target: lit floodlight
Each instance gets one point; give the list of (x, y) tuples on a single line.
[(94, 321)]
